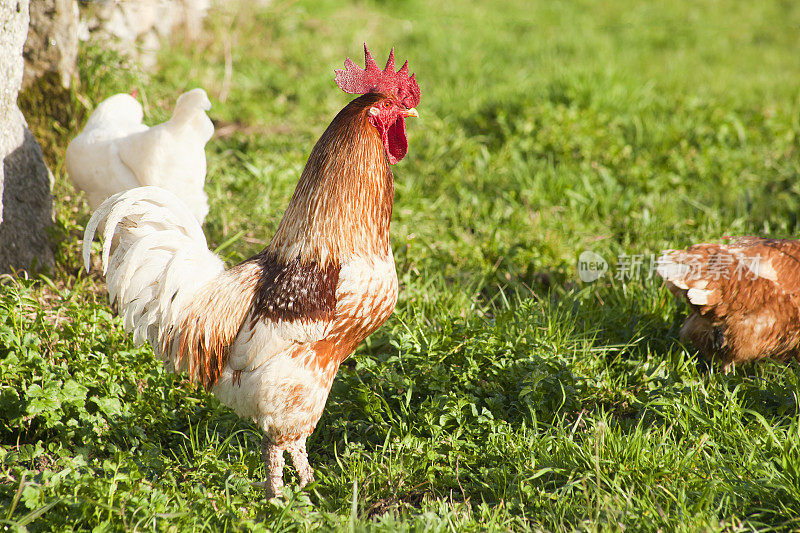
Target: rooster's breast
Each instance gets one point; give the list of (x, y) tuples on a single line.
[(285, 386), (365, 298)]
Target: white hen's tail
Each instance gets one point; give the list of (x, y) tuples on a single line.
[(156, 263)]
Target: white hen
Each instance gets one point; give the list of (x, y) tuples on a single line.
[(116, 152)]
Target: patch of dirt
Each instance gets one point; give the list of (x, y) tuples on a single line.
[(396, 502), (225, 129)]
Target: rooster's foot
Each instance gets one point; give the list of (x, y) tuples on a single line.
[(273, 459), (297, 451)]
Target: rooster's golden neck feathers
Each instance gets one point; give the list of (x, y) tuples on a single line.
[(342, 206)]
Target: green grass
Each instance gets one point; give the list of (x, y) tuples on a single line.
[(503, 394)]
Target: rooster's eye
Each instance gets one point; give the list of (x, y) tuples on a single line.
[(387, 104)]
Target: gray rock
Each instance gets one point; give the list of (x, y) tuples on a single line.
[(52, 44), (136, 28), (26, 209)]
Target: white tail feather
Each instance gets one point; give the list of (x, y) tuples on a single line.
[(155, 258)]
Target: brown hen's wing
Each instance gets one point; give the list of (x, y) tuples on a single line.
[(745, 296)]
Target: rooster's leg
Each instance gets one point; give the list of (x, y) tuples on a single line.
[(297, 451), (273, 460)]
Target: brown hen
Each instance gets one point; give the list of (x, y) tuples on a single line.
[(744, 296)]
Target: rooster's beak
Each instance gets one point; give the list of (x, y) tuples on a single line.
[(410, 113)]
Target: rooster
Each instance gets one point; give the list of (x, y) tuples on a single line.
[(268, 335), (116, 151), (745, 298)]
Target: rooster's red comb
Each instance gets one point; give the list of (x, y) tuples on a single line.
[(355, 80)]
